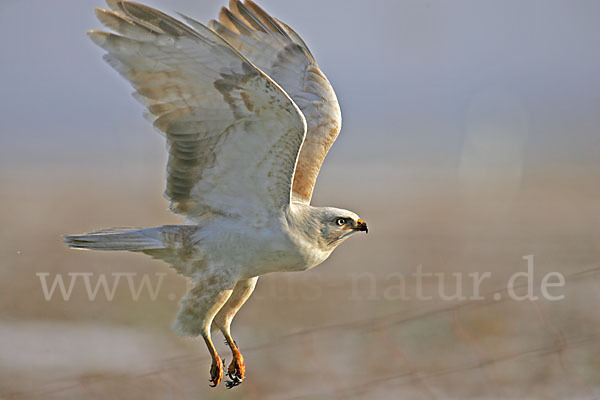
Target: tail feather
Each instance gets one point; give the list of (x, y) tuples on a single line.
[(118, 239)]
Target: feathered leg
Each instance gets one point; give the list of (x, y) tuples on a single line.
[(241, 292), (198, 309)]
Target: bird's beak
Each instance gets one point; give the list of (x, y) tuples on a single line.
[(361, 226)]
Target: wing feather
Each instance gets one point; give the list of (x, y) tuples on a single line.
[(233, 134), (278, 51)]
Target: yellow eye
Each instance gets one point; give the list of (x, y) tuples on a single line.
[(340, 221)]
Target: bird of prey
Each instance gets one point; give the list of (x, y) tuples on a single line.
[(248, 118)]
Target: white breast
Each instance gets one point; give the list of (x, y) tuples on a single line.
[(254, 251)]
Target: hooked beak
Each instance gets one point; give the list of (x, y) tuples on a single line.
[(361, 226)]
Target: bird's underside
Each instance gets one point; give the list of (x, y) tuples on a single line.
[(248, 118)]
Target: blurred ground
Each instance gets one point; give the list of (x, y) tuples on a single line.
[(327, 333)]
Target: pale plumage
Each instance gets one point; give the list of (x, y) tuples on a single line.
[(248, 117)]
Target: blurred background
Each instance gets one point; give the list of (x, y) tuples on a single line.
[(470, 140)]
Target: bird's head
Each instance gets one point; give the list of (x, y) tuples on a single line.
[(326, 227), (336, 225)]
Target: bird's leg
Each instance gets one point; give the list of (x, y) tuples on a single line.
[(241, 292), (216, 368), (198, 309)]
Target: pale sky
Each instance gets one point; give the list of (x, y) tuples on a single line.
[(420, 82)]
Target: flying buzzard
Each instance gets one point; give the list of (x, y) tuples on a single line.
[(248, 118)]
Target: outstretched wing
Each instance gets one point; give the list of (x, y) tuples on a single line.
[(233, 134), (277, 50)]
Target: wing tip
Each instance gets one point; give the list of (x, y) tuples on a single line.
[(107, 17), (98, 37)]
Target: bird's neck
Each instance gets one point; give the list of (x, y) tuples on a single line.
[(303, 220)]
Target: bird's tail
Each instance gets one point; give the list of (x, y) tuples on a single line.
[(119, 239)]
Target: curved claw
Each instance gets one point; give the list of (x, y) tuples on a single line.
[(236, 370), (216, 372), (232, 383)]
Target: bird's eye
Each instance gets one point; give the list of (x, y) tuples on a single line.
[(340, 221)]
